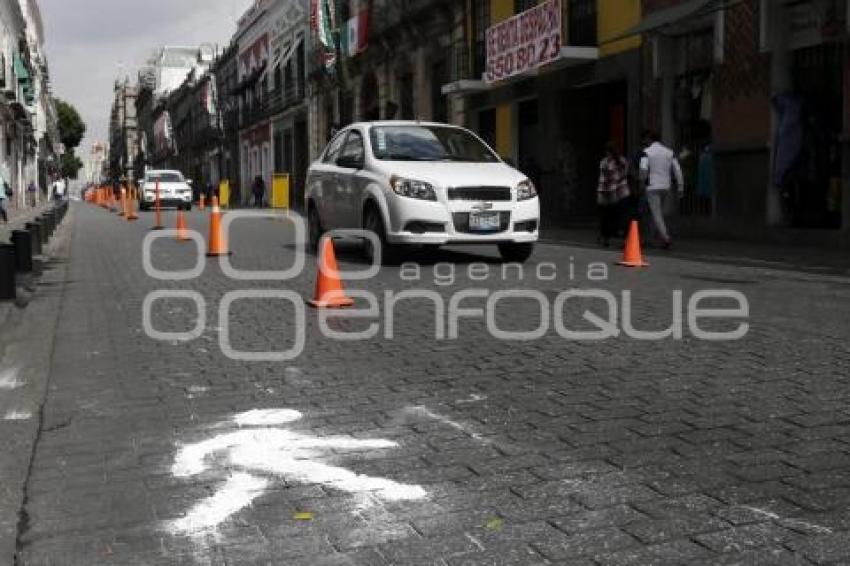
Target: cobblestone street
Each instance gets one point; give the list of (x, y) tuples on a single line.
[(415, 450)]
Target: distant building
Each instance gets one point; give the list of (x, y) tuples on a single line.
[(95, 162), (165, 72), (28, 126), (123, 133)]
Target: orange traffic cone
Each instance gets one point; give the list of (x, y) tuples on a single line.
[(217, 243), (131, 210), (181, 227), (202, 202), (157, 206), (329, 291), (123, 209), (632, 255)]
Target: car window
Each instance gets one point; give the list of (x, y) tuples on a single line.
[(428, 143), (333, 148), (164, 178), (353, 146)]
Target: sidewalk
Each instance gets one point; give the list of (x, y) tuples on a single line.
[(793, 257), (18, 217)]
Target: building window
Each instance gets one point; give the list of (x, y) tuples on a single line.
[(406, 96), (521, 6), (582, 23), (480, 23), (439, 105)]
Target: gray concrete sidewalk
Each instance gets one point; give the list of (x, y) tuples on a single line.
[(794, 257), (26, 345)]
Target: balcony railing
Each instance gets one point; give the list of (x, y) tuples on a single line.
[(389, 14)]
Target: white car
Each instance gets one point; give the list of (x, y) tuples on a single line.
[(423, 184), (174, 190)]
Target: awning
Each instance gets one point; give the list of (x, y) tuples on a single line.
[(655, 21), (21, 70)]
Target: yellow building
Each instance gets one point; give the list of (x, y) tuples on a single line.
[(550, 88)]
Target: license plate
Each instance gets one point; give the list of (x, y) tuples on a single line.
[(484, 221)]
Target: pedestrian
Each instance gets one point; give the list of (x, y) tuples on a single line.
[(611, 192), (259, 190), (5, 194), (636, 205), (661, 172), (31, 190)]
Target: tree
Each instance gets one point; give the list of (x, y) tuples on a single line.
[(71, 126), (71, 164)]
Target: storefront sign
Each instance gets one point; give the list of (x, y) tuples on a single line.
[(524, 42)]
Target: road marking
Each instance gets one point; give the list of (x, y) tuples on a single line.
[(788, 521), (464, 428), (260, 449), (9, 379), (16, 415), (474, 398)]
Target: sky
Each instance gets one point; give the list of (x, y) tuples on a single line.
[(90, 43)]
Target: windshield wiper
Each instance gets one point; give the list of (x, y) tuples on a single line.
[(406, 157)]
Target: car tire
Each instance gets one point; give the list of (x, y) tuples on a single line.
[(516, 253), (143, 207), (374, 222), (314, 229)]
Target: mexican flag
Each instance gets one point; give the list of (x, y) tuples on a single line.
[(355, 34), (322, 17)]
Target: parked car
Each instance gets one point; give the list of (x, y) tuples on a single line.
[(175, 191), (418, 183)]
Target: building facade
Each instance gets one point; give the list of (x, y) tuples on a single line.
[(123, 133), (29, 139), (754, 96), (165, 83), (255, 126)]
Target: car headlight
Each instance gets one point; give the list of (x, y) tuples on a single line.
[(526, 190), (413, 189)]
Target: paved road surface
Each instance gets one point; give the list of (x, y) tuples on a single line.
[(423, 451)]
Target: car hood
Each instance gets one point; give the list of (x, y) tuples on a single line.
[(166, 186), (452, 174)]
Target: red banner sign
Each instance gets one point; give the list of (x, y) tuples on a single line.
[(524, 42)]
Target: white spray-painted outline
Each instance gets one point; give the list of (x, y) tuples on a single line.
[(464, 428), (16, 415), (9, 379), (256, 453), (788, 521)]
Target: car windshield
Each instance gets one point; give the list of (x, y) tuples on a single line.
[(164, 178), (428, 143)]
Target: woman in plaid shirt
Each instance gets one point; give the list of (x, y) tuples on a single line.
[(613, 189)]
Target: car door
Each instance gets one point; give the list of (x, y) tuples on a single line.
[(350, 168), (327, 172)]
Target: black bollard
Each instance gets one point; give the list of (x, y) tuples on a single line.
[(23, 251), (42, 222), (7, 272), (34, 229)]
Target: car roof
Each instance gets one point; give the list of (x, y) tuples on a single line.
[(151, 171), (402, 123)]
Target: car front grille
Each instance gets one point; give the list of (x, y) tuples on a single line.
[(461, 222), (480, 193)]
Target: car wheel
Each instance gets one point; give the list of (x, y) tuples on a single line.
[(373, 222), (314, 228), (516, 253), (143, 207)]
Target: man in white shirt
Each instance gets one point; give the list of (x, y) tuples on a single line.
[(659, 169)]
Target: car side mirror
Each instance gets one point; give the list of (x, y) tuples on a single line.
[(190, 182), (350, 162)]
